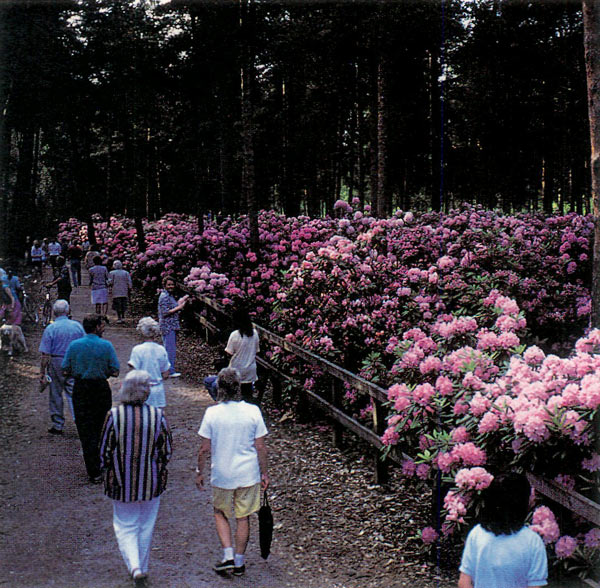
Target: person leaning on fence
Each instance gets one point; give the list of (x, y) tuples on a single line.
[(501, 552), (233, 434), (151, 357), (55, 339), (91, 361), (119, 281), (168, 319), (134, 451)]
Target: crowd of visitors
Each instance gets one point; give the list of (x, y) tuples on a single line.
[(127, 446)]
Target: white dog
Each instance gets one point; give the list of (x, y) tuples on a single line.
[(12, 338)]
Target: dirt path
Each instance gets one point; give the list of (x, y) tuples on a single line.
[(57, 528), (333, 529)]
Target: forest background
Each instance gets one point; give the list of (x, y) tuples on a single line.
[(147, 107)]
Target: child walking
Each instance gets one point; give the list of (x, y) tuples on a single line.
[(501, 552)]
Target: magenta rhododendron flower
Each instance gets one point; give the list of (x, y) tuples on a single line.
[(592, 538), (429, 535), (565, 547)]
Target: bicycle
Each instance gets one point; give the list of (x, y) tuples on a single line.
[(47, 307), (29, 308)]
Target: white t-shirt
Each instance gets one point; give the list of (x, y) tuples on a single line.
[(243, 352), (152, 357), (505, 561), (232, 428), (54, 248)]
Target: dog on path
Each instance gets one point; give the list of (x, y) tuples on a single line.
[(12, 339)]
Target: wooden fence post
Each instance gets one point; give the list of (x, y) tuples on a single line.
[(336, 400), (382, 474)]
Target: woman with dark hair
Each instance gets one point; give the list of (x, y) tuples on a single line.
[(168, 319), (243, 346), (99, 284), (61, 279), (501, 552), (135, 449)]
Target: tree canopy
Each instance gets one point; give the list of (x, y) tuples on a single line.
[(150, 107)]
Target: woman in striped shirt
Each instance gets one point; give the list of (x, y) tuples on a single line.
[(134, 450)]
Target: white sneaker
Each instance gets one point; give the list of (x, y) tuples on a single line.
[(175, 375)]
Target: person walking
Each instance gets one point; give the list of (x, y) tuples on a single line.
[(91, 361), (61, 280), (119, 282), (134, 451), (74, 255), (233, 434), (54, 250), (168, 319), (8, 302), (37, 257), (99, 284), (151, 357), (501, 551), (55, 339), (243, 346)]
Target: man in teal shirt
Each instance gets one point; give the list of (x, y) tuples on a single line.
[(91, 361)]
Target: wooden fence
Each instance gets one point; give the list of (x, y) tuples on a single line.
[(215, 317)]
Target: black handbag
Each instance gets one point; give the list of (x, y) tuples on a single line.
[(265, 527)]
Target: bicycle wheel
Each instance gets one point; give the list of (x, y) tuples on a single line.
[(46, 313), (31, 311)]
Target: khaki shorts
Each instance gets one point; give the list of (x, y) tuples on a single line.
[(244, 501)]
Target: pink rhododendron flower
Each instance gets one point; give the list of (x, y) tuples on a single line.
[(460, 435), (488, 423), (469, 454), (544, 524), (473, 478)]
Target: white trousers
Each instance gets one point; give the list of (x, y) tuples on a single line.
[(134, 524)]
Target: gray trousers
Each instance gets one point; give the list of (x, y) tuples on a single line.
[(59, 385)]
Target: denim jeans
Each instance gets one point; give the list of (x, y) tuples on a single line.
[(76, 272), (170, 344)]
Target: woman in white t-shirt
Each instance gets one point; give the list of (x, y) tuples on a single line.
[(151, 357), (243, 346)]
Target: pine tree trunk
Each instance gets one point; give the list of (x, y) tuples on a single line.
[(383, 194), (591, 26), (248, 81)]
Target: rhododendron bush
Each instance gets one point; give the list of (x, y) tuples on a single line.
[(455, 314)]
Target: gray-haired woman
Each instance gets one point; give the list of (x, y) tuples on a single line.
[(151, 357), (134, 450), (119, 281)]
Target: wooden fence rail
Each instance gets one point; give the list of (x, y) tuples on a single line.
[(570, 500)]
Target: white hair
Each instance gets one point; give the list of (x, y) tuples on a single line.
[(117, 264), (148, 327), (60, 308), (135, 388)]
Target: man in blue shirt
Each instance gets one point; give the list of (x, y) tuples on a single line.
[(91, 361), (56, 338)]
